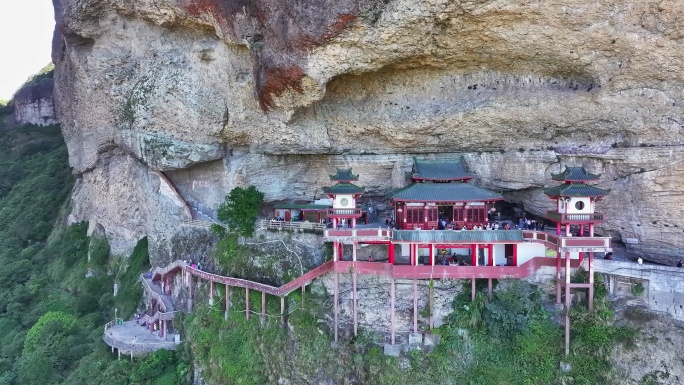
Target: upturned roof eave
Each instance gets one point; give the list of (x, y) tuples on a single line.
[(414, 177), (447, 200)]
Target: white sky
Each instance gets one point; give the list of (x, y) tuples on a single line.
[(25, 41)]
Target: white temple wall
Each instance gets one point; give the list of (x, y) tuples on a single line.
[(527, 251)]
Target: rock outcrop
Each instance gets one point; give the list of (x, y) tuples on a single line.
[(34, 104), (217, 94)]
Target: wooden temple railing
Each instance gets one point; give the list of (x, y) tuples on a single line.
[(157, 296), (336, 212), (447, 272), (559, 217), (585, 244), (288, 225), (549, 240), (262, 287), (381, 233)]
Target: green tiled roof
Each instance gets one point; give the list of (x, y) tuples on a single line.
[(575, 190), (444, 192), (344, 174), (300, 206), (463, 236), (440, 170), (574, 174), (344, 188)]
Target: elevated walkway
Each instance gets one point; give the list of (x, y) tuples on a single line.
[(135, 337), (132, 338)]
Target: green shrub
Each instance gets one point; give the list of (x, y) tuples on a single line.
[(240, 210), (637, 289)]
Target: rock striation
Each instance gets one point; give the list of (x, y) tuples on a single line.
[(216, 94)]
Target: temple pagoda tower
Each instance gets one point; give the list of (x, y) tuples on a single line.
[(575, 200), (344, 195)]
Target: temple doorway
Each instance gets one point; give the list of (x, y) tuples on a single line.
[(446, 212)]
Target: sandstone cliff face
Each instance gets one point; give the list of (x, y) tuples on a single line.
[(278, 93), (34, 104)]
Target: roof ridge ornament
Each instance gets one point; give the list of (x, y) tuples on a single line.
[(344, 175), (575, 174)]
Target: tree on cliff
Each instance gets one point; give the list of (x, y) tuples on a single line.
[(241, 209), (51, 349)]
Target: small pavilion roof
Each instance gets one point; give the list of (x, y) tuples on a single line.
[(344, 188), (575, 190), (449, 169), (574, 174), (344, 175), (444, 192)]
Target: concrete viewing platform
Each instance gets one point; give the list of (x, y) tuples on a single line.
[(131, 338)]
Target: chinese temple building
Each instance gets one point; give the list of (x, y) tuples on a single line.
[(344, 195), (441, 195), (311, 212), (440, 233), (575, 200)]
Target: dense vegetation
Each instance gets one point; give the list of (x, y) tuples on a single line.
[(47, 72), (51, 314), (510, 339)]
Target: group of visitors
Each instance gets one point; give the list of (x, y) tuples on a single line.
[(389, 222), (530, 224)]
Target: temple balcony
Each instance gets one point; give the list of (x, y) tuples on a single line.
[(357, 235), (453, 237), (575, 218), (345, 213)]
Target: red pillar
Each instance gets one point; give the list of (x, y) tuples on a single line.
[(247, 303), (473, 258), (263, 305), (515, 254), (415, 305), (581, 230), (591, 281), (432, 256), (390, 250), (335, 306), (558, 276), (472, 290), (558, 229), (491, 254)]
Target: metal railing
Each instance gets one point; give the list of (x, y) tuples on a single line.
[(138, 347)]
